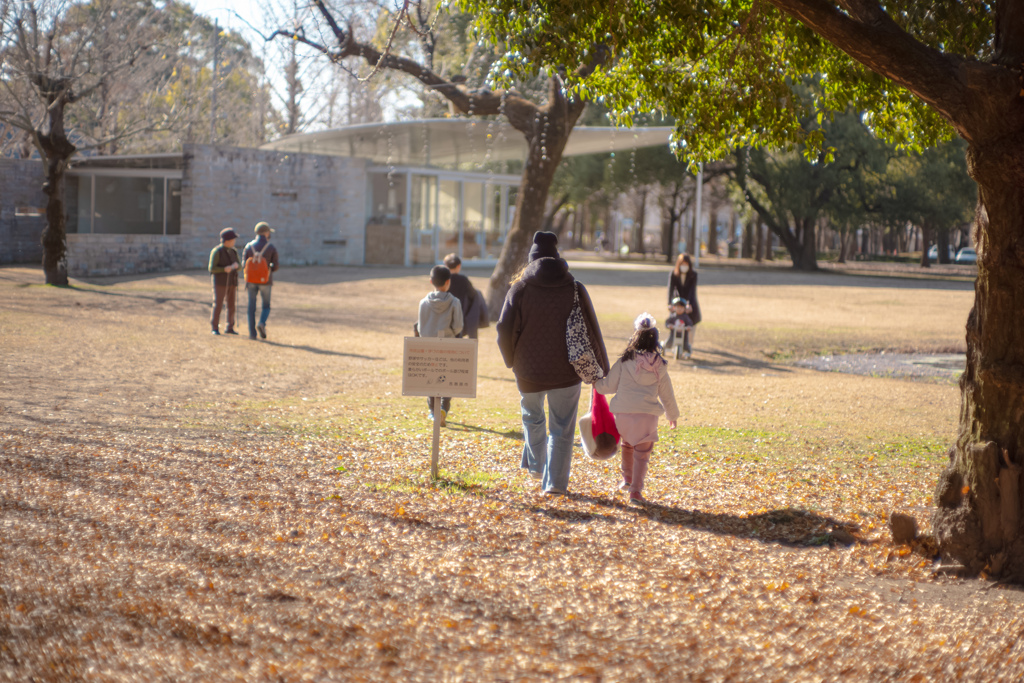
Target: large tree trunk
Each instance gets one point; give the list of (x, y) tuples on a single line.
[(713, 232), (54, 237), (553, 124), (56, 151), (943, 242), (800, 243), (804, 253), (669, 219), (533, 193), (926, 238), (638, 222), (977, 520)]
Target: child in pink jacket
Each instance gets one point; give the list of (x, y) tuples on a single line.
[(643, 391)]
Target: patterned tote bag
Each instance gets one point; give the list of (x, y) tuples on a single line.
[(577, 338)]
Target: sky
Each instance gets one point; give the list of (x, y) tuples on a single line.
[(226, 13), (233, 14)]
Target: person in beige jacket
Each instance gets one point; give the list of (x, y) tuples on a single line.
[(643, 392)]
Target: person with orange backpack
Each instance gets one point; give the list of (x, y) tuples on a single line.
[(261, 260)]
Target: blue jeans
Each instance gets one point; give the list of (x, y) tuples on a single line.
[(548, 443), (264, 292)]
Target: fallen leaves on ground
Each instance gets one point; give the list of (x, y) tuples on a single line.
[(271, 557), (186, 508)]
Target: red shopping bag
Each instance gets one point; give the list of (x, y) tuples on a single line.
[(597, 429)]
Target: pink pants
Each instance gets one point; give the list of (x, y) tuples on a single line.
[(634, 464)]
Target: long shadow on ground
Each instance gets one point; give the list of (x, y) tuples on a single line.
[(323, 352), (790, 527), (723, 361), (516, 434), (787, 526)]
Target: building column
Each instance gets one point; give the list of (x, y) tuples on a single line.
[(407, 218)]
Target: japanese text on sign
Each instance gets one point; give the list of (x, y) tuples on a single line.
[(439, 367)]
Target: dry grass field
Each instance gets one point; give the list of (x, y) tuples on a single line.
[(179, 506)]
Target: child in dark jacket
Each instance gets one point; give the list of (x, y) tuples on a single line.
[(440, 316)]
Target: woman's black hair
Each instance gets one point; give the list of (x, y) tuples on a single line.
[(643, 339)]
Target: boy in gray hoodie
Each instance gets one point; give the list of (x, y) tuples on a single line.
[(440, 316)]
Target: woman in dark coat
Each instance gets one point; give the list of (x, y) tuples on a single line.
[(682, 282), (532, 338)]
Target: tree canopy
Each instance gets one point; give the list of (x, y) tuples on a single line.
[(727, 73)]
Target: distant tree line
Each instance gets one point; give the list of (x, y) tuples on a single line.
[(859, 196)]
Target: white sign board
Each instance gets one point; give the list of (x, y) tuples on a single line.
[(438, 366)]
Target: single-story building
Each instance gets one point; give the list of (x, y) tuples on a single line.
[(386, 193)]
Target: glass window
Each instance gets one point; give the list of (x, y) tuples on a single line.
[(494, 226), (72, 204), (173, 206), (424, 193), (473, 222), (448, 218), (385, 232), (123, 206), (129, 206)]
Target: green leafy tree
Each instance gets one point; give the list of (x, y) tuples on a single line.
[(655, 173), (792, 194), (921, 72), (545, 125), (576, 185), (933, 191)]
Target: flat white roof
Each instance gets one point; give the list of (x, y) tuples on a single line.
[(457, 141)]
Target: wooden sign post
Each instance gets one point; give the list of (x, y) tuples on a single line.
[(439, 367)]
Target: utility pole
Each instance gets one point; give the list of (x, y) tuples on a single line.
[(213, 86), (697, 228)]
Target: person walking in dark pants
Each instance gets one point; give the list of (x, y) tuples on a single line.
[(473, 307), (533, 341), (261, 256), (224, 264)]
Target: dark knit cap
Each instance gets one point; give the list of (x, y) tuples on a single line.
[(545, 244), (228, 234)]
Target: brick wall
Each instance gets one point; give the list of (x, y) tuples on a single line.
[(21, 182), (315, 204)]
